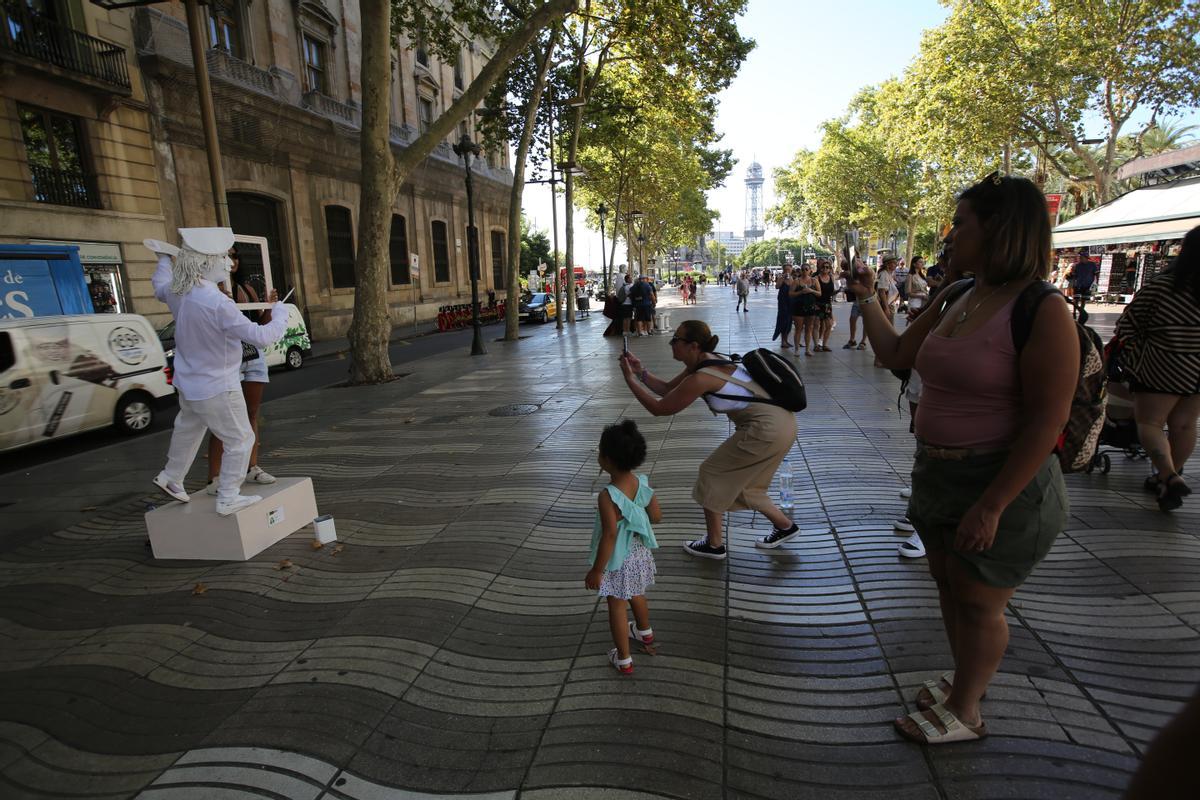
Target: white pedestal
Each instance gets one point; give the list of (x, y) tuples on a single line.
[(195, 530)]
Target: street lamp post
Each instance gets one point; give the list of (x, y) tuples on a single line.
[(602, 213), (466, 148)]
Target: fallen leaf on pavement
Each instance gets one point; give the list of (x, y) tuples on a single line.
[(285, 564), (200, 588), (338, 549), (315, 545)]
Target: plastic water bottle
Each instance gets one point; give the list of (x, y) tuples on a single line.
[(786, 499)]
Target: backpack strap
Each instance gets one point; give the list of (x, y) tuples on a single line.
[(1025, 310), (753, 387)]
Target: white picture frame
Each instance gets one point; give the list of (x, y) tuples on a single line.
[(261, 243)]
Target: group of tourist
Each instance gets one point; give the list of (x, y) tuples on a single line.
[(805, 305), (987, 499)]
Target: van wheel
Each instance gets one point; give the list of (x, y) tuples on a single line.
[(134, 413), (295, 358)]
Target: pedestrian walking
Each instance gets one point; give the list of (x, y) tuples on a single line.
[(742, 287), (737, 474), (1083, 278), (1159, 334), (988, 498), (622, 538)]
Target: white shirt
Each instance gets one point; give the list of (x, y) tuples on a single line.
[(887, 284), (719, 405), (209, 331)]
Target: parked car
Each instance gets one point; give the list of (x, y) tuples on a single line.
[(290, 351), (62, 375), (538, 307)]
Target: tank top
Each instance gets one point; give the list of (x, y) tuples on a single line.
[(971, 387), (719, 405), (827, 290)]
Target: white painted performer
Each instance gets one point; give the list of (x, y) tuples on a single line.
[(209, 331)]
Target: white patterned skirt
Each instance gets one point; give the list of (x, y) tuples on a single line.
[(634, 577)]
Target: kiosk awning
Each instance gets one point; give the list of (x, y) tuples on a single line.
[(1117, 234)]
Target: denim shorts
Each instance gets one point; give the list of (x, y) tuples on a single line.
[(255, 370), (943, 491)]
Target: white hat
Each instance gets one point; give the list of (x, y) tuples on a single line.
[(209, 241), (161, 247)]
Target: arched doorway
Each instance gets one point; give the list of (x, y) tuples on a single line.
[(257, 215)]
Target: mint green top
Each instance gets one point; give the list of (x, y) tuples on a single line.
[(633, 522)]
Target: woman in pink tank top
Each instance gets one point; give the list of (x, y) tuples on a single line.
[(988, 498)]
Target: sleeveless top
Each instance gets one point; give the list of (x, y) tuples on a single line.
[(827, 290), (719, 405), (634, 521), (971, 387)]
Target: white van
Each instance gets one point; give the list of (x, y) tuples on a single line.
[(65, 375)]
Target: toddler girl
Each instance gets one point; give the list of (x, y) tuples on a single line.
[(622, 566)]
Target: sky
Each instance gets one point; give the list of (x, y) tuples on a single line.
[(796, 77)]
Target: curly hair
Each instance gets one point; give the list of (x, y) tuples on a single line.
[(623, 445), (190, 267)]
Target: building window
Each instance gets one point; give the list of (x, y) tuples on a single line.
[(422, 53), (458, 71), (441, 252), (340, 234), (57, 158), (224, 30), (425, 110), (398, 251), (314, 64), (499, 257)]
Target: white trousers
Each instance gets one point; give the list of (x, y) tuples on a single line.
[(225, 415)]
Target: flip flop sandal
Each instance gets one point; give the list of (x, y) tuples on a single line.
[(955, 730), (862, 347)]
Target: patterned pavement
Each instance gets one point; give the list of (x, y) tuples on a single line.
[(446, 645)]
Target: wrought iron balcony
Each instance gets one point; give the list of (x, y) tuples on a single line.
[(37, 39), (64, 187)]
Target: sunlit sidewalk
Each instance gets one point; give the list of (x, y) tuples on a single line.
[(446, 644)]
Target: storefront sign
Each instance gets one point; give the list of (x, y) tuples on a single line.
[(27, 290), (97, 253)]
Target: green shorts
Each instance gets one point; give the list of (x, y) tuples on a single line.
[(943, 491)]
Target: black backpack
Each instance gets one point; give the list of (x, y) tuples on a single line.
[(774, 374)]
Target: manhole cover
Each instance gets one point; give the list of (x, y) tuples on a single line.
[(514, 410)]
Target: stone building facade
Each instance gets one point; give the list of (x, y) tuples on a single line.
[(285, 78)]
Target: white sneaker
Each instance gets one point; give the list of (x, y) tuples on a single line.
[(912, 547), (211, 489), (903, 524), (227, 507), (906, 492), (175, 490), (258, 475)]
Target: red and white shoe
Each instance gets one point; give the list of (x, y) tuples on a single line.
[(621, 665), (638, 636)]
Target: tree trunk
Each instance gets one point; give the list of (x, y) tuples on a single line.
[(384, 172), (371, 327), (908, 246), (511, 308)]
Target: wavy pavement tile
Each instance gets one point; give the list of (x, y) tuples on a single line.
[(220, 772)]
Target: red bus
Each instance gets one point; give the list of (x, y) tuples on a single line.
[(580, 276)]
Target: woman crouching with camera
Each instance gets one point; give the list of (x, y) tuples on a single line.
[(988, 498), (736, 476)]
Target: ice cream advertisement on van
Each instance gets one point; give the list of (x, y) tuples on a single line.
[(60, 378)]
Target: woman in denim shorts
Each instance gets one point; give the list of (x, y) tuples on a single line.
[(988, 497)]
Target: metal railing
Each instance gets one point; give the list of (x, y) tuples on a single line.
[(64, 187), (47, 41)]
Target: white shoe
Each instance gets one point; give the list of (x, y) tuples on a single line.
[(258, 475), (227, 507), (912, 547), (175, 490), (903, 524), (211, 489), (906, 493)]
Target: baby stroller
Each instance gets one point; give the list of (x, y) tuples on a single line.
[(1119, 434)]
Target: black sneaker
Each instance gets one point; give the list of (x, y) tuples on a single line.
[(702, 549), (777, 537)]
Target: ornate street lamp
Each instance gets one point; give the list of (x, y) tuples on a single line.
[(466, 148), (602, 213)]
